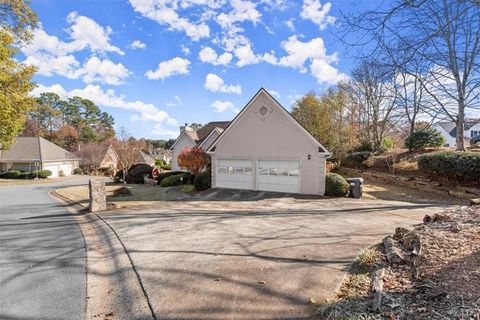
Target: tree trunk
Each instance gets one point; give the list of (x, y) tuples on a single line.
[(460, 127)]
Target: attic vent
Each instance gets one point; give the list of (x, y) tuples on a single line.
[(320, 149), (263, 111)]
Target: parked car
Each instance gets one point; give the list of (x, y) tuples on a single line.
[(475, 140)]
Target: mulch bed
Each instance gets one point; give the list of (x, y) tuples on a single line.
[(429, 272)]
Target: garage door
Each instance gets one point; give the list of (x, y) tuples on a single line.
[(278, 175), (234, 174), (66, 168), (53, 168)]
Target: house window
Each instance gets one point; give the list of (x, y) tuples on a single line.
[(474, 133)]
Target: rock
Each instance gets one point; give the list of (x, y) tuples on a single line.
[(394, 254), (400, 233), (475, 202), (377, 288), (98, 195), (427, 219)]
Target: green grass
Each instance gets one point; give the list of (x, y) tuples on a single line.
[(188, 188)]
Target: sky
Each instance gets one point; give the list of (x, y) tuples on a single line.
[(157, 64)]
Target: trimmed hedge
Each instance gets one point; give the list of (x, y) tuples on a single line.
[(12, 174), (203, 181), (42, 174), (356, 159), (336, 185), (175, 180), (450, 165), (16, 174), (424, 138), (78, 171), (164, 175)]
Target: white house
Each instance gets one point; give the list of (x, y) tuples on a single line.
[(448, 129), (26, 152), (265, 148), (202, 137)]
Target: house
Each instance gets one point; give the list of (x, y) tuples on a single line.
[(142, 157), (31, 153), (265, 148), (110, 158), (448, 129), (162, 154), (202, 138)]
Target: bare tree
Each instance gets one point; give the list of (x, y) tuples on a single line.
[(92, 154), (445, 35), (128, 149)]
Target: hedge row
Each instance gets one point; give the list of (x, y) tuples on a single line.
[(175, 180), (15, 174), (458, 166), (355, 159)]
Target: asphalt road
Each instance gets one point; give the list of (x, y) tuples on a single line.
[(42, 255)]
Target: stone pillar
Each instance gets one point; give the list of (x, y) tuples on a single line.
[(98, 195)]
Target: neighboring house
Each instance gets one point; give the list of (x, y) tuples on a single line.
[(203, 138), (162, 154), (265, 148), (145, 158), (30, 150), (110, 159), (448, 129)]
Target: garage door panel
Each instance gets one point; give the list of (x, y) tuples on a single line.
[(278, 175), (53, 169), (234, 174)]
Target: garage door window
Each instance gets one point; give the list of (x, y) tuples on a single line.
[(235, 167), (292, 172)]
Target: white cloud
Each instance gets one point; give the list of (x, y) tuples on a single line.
[(216, 84), (290, 24), (185, 50), (165, 13), (274, 93), (103, 71), (176, 103), (159, 129), (86, 33), (314, 11), (144, 111), (222, 106), (246, 56), (137, 44), (175, 66), (209, 55), (325, 73), (243, 10)]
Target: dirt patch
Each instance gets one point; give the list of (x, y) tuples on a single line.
[(439, 280)]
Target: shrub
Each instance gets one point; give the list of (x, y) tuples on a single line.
[(164, 175), (12, 174), (203, 181), (159, 163), (356, 159), (167, 167), (109, 172), (175, 180), (365, 146), (42, 174), (336, 185), (424, 138), (388, 143), (25, 175), (61, 173), (137, 172), (78, 171), (450, 165)]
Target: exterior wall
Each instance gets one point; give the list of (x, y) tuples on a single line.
[(274, 138), (468, 133), (182, 143), (61, 165), (449, 140), (209, 141), (110, 160)]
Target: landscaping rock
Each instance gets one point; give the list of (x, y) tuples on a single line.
[(98, 195)]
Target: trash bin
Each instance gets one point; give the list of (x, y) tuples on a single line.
[(356, 187)]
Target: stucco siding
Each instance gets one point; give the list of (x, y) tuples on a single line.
[(209, 140), (275, 137), (179, 146)]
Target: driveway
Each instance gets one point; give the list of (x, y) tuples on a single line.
[(260, 259), (42, 254)]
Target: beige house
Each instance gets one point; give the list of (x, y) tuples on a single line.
[(201, 138), (265, 148), (110, 159), (29, 151)]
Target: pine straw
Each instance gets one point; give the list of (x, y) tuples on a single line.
[(443, 284)]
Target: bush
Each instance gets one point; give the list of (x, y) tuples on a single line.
[(137, 172), (78, 171), (61, 173), (356, 159), (336, 185), (25, 175), (42, 174), (424, 138), (203, 181), (365, 146), (159, 163), (388, 143), (175, 180), (12, 174), (167, 167), (118, 177), (450, 165), (109, 172), (164, 175)]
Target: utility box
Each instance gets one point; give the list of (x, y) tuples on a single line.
[(356, 187)]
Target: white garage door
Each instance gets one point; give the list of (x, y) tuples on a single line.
[(278, 175), (66, 168), (53, 168), (234, 174)]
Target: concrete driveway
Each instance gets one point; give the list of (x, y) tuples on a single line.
[(42, 254), (251, 259)]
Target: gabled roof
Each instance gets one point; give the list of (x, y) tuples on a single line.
[(201, 134), (27, 149), (216, 129), (322, 149), (451, 128)]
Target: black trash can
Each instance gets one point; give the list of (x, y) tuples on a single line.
[(356, 187)]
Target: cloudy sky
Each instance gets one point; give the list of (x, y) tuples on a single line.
[(156, 64)]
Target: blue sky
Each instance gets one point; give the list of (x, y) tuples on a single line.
[(156, 64)]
